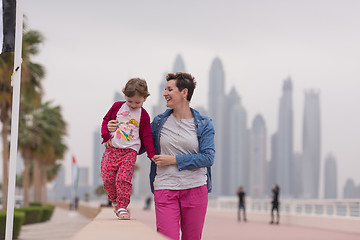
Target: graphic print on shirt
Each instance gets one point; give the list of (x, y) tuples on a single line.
[(126, 129)]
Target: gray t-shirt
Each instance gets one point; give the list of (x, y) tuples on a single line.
[(178, 136)]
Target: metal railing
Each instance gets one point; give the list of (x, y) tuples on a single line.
[(349, 208)]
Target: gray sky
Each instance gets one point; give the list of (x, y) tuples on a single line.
[(93, 47)]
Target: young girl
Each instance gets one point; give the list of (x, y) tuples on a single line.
[(122, 146)]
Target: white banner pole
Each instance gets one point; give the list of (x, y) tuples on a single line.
[(14, 121)]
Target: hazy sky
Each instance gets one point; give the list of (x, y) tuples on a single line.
[(93, 47)]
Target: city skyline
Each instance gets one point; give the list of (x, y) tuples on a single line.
[(96, 48), (303, 167)]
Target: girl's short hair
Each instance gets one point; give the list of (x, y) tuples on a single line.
[(136, 86), (183, 80)]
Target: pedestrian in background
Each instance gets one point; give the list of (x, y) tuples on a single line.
[(241, 194), (275, 204)]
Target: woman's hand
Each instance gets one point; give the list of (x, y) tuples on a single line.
[(112, 125), (164, 160)]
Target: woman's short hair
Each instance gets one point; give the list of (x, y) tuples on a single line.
[(183, 80), (136, 86)]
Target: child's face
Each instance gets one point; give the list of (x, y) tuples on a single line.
[(135, 102)]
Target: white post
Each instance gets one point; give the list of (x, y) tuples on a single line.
[(14, 121)]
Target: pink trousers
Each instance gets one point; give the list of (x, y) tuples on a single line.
[(117, 168), (183, 209)]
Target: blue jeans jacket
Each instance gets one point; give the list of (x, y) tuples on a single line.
[(205, 157)]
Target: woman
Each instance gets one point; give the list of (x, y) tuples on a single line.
[(275, 204), (180, 175)]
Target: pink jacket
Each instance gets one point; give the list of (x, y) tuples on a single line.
[(144, 128)]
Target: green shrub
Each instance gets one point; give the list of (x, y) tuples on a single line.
[(19, 218), (35, 204), (48, 210), (32, 214)]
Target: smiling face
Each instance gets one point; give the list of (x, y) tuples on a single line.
[(135, 101), (172, 94)]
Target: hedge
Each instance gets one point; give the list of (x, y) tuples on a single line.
[(48, 210), (19, 218), (35, 204), (32, 214)]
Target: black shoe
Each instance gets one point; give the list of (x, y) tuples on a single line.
[(277, 222), (245, 220), (271, 222)]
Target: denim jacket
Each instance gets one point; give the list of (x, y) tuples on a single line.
[(205, 157)]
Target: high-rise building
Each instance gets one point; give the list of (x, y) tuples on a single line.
[(83, 177), (350, 189), (58, 192), (285, 139), (258, 158), (235, 171), (273, 169), (179, 65), (330, 180), (296, 175), (216, 100), (311, 145)]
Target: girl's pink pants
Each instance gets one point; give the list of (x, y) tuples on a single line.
[(117, 168)]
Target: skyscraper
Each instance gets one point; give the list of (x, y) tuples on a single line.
[(179, 65), (216, 99), (285, 139), (330, 180), (350, 189), (83, 177), (258, 157), (235, 171), (273, 164), (297, 175), (311, 145)]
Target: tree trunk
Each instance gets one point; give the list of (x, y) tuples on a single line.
[(44, 184), (37, 180), (26, 179), (5, 155)]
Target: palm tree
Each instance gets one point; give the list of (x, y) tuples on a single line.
[(41, 139), (6, 66), (31, 91)]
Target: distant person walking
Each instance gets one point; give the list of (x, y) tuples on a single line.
[(275, 204), (76, 203), (133, 131), (241, 194), (147, 203)]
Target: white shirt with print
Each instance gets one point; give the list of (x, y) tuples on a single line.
[(127, 133)]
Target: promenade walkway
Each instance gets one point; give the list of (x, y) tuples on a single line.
[(219, 225), (63, 225)]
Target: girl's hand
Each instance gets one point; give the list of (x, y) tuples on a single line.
[(108, 143), (164, 160), (112, 125)]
